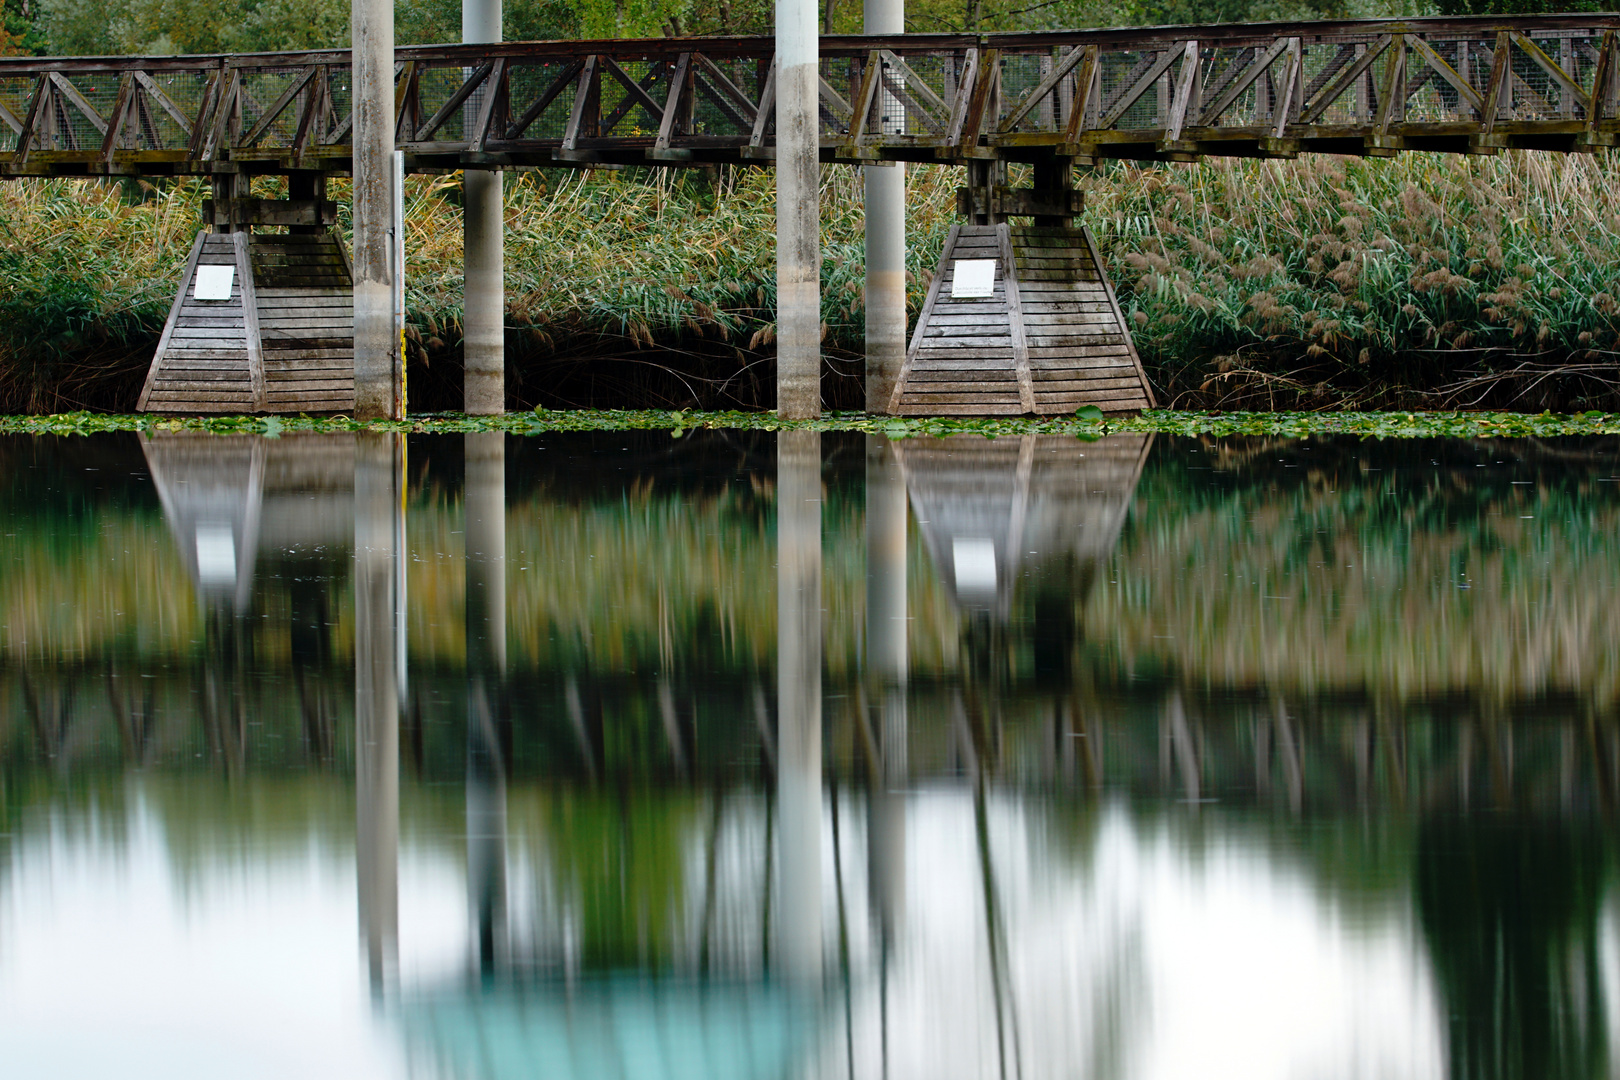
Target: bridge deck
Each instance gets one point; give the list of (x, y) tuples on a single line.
[(1169, 93)]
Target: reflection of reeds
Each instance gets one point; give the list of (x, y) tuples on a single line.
[(1403, 585)]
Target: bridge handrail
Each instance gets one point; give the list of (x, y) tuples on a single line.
[(1374, 86)]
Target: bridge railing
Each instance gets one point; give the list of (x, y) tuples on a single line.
[(1366, 87)]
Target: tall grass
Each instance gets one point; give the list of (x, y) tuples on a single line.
[(1323, 282), (1334, 281)]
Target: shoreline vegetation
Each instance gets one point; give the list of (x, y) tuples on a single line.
[(1087, 424), (1325, 283)]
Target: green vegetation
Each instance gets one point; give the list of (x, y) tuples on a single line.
[(1086, 424), (1424, 282)]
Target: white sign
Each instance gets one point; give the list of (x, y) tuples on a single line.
[(214, 283), (973, 279)]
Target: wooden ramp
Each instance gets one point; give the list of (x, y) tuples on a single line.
[(282, 343), (1049, 338)]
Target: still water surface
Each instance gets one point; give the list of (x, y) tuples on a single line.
[(734, 755)]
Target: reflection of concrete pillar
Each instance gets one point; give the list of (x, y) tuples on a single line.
[(484, 500), (379, 475), (798, 674), (886, 669)]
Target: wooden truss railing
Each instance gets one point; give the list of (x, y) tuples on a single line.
[(1360, 87)]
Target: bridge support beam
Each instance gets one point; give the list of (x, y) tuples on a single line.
[(798, 211), (885, 239), (483, 254), (376, 347)]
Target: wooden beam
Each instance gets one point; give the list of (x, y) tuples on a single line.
[(1500, 70), (456, 101), (1044, 87), (1288, 101), (865, 94), (723, 81), (767, 105), (1393, 92), (277, 107), (115, 125), (913, 81), (1550, 66), (165, 102), (1234, 90), (1085, 88), (672, 101), (634, 89), (1602, 82), (984, 82), (174, 318), (540, 104), (964, 96), (588, 74), (1438, 65), (1122, 103), (1325, 99), (486, 109), (222, 114), (71, 92), (1186, 79)]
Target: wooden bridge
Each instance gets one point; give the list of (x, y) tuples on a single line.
[(1169, 93), (1053, 100)]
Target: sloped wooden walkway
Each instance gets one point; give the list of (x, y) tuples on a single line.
[(1048, 340), (282, 343)]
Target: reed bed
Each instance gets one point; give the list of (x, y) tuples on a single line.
[(1329, 282), (1418, 282)]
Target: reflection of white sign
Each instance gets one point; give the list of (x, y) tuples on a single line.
[(973, 278), (216, 554), (975, 568), (214, 282)]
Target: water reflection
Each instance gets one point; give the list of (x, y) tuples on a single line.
[(1131, 759)]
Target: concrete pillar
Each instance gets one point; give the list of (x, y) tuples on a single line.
[(885, 240), (379, 475), (483, 321), (484, 500), (798, 211), (798, 680), (376, 347), (887, 666)]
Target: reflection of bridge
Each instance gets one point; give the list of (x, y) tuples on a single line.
[(1461, 85)]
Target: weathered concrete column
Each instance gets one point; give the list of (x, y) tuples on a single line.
[(376, 347), (379, 474), (798, 211), (798, 708), (483, 321), (885, 238), (887, 667), (484, 501)]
